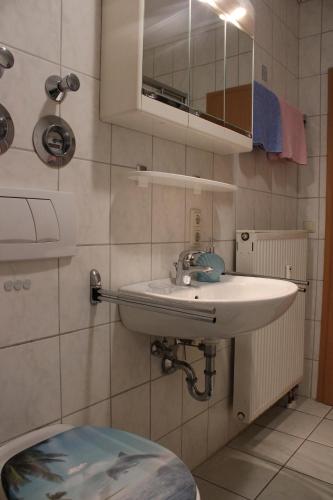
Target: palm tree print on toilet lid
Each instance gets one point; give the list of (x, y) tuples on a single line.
[(91, 463)]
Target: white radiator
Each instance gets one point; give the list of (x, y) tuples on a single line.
[(269, 361)]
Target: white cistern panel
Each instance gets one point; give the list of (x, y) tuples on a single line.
[(36, 224)]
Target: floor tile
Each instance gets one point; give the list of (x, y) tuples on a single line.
[(330, 415), (289, 485), (267, 444), (310, 406), (324, 433), (237, 472), (291, 422), (209, 491), (315, 460)]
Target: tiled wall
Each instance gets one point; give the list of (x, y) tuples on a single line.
[(316, 56), (60, 358)]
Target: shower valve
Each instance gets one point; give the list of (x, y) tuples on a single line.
[(57, 87), (6, 60)]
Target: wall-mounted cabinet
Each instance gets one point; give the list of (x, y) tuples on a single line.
[(180, 69)]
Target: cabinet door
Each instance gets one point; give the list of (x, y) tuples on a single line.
[(207, 55), (166, 55), (238, 80)]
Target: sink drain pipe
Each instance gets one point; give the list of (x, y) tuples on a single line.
[(170, 363)]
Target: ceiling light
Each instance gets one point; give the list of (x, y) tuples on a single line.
[(238, 13)]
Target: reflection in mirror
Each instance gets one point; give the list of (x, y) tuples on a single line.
[(196, 59), (207, 62), (166, 51), (239, 79)]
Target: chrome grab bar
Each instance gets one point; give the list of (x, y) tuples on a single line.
[(99, 294), (301, 283)]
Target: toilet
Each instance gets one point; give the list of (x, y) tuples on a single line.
[(62, 462)]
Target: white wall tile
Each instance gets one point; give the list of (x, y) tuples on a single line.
[(85, 368), (327, 15), (131, 148), (308, 179), (323, 169), (33, 26), (168, 217), (224, 216), (218, 417), (278, 219), (262, 211), (309, 338), (312, 131), (308, 210), (20, 311), (81, 35), (130, 208), (131, 411), (93, 137), (126, 347), (309, 95), (194, 440), (310, 18), (23, 169), (312, 265), (173, 442), (98, 415), (166, 404), (245, 208), (90, 182), (309, 56), (264, 26), (33, 370)]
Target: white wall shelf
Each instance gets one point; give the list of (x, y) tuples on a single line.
[(146, 177)]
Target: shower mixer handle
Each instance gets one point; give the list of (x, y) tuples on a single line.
[(69, 82), (57, 87), (6, 60)]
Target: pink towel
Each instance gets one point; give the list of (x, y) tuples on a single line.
[(293, 135)]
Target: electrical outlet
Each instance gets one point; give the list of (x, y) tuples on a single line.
[(195, 227)]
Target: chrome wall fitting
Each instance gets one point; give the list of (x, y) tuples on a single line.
[(6, 60), (54, 141), (6, 130), (57, 87)]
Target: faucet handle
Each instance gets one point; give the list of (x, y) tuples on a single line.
[(6, 60), (57, 87)]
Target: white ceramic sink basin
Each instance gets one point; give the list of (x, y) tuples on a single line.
[(233, 306)]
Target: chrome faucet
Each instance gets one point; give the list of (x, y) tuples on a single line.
[(186, 266)]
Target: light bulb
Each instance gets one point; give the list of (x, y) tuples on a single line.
[(238, 13)]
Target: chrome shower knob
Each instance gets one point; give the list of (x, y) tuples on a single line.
[(70, 82), (57, 87), (6, 60)]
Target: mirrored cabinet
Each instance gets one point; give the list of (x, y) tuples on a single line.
[(180, 69)]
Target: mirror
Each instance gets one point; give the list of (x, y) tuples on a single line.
[(166, 51), (200, 60), (239, 80)]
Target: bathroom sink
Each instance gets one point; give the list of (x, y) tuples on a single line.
[(233, 306)]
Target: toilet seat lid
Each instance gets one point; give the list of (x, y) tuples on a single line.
[(92, 463)]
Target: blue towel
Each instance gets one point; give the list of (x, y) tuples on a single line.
[(267, 125)]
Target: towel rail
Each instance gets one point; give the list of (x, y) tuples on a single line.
[(99, 294)]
